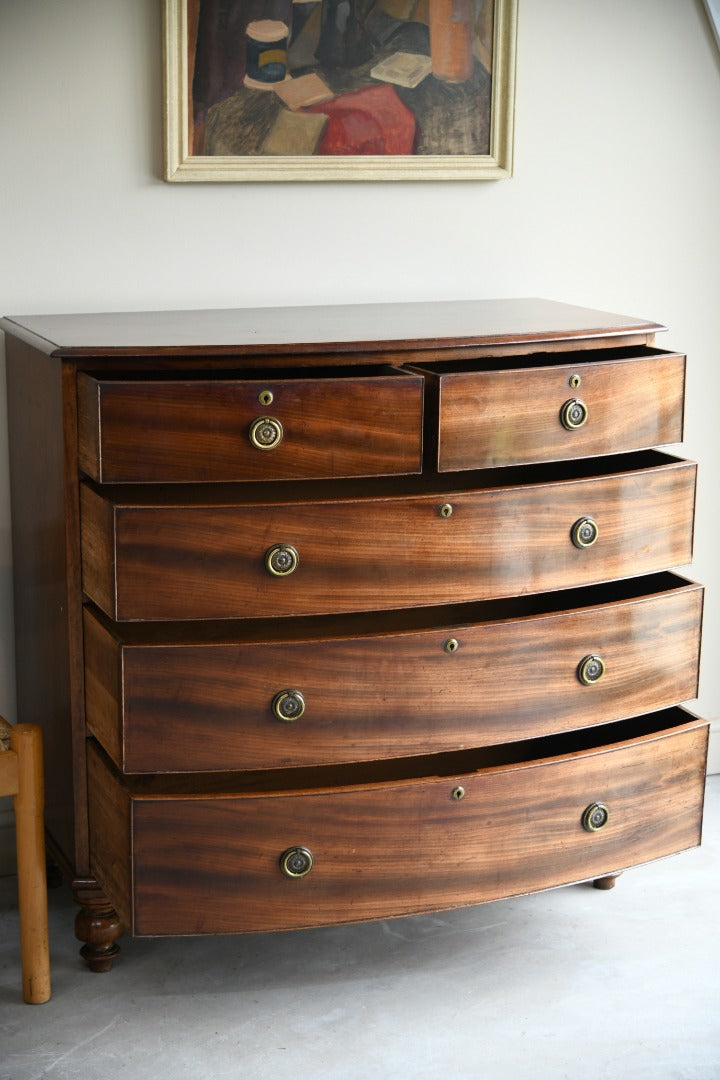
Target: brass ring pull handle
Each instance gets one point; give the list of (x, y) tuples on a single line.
[(266, 433), (296, 862), (595, 817), (288, 705), (584, 532), (573, 414), (281, 560), (591, 669)]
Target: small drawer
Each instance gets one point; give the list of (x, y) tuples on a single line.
[(148, 556), (342, 692), (171, 431), (605, 402), (308, 848)]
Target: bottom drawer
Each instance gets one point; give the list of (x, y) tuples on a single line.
[(394, 838)]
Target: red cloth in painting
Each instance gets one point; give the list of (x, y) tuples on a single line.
[(369, 121)]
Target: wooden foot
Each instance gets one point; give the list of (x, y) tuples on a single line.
[(606, 882), (99, 927)]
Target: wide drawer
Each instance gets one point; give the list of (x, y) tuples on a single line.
[(202, 429), (470, 828), (600, 403), (344, 691), (151, 559)]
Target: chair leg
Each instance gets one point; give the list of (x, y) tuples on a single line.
[(26, 741)]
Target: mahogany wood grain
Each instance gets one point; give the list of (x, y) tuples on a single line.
[(203, 561), (187, 637), (170, 431), (294, 331), (211, 864), (512, 416), (164, 707)]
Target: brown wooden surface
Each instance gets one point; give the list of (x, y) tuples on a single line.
[(167, 707), (29, 804), (512, 417), (21, 776), (97, 924), (200, 855), (104, 677), (110, 840), (170, 431), (341, 328), (46, 600), (210, 865), (207, 561)]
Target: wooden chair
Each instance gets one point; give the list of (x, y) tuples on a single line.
[(21, 775)]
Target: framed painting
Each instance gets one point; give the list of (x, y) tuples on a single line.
[(260, 90)]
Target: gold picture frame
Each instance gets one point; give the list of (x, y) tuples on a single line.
[(417, 81)]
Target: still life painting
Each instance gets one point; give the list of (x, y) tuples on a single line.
[(339, 89)]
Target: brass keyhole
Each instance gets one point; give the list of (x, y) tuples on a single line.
[(266, 397), (445, 510), (458, 793), (451, 645)]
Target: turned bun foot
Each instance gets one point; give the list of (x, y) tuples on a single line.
[(607, 882), (99, 958), (98, 925)]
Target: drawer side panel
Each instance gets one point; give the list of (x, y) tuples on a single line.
[(103, 687), (110, 836), (98, 538)]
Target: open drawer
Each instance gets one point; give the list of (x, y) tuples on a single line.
[(548, 407), (309, 847), (278, 426), (340, 690), (229, 553)]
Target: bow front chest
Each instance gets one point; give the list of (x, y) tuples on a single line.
[(334, 614)]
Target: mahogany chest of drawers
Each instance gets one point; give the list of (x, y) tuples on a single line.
[(351, 613)]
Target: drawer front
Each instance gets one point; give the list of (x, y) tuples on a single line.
[(210, 561), (213, 864), (254, 705), (212, 430), (512, 417)]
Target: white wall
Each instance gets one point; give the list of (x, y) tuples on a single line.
[(614, 204)]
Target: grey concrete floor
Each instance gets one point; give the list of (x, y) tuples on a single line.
[(573, 983)]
